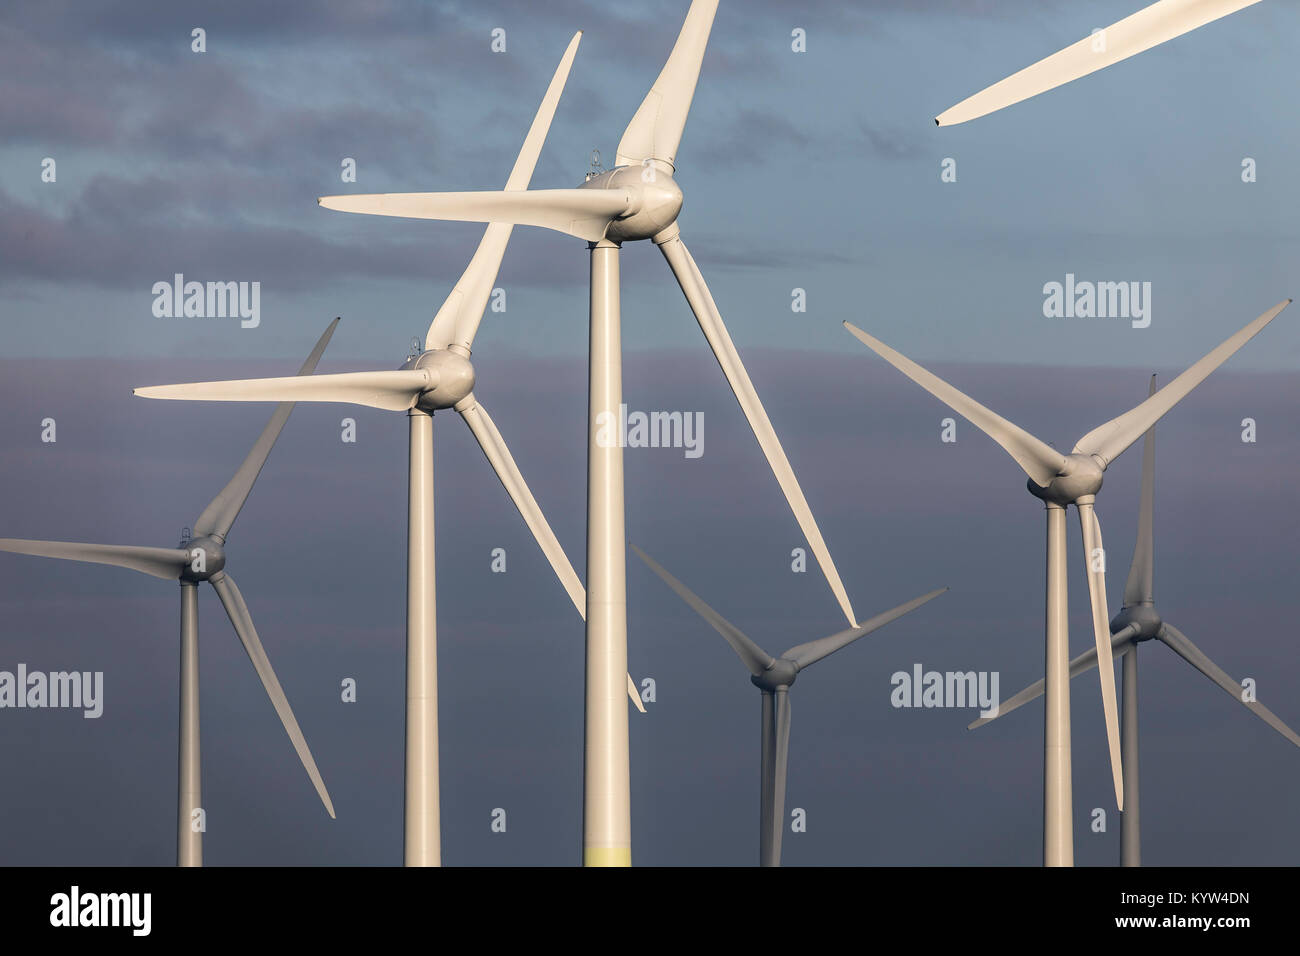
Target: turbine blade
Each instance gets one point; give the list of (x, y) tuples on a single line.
[(780, 764), (237, 610), (164, 563), (1138, 587), (1143, 30), (1108, 441), (724, 350), (584, 213), (503, 464), (1040, 461), (750, 654), (810, 653), (394, 390), (1092, 551), (222, 511), (1178, 642), (656, 130), (1120, 642), (458, 320)]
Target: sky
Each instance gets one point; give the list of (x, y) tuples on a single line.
[(817, 171)]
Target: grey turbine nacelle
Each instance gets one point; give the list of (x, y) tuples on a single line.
[(1142, 616), (654, 199), (450, 374), (780, 673), (1079, 475), (209, 553)]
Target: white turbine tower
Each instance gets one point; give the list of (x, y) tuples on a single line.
[(1137, 622), (200, 558), (1150, 26), (773, 676), (1059, 481), (439, 378), (636, 200)]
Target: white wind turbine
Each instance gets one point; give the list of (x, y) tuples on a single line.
[(636, 200), (1137, 622), (1059, 481), (773, 676), (197, 559), (439, 378), (1149, 27)]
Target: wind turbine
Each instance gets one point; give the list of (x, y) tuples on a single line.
[(773, 677), (1137, 622), (1059, 481), (638, 199), (1149, 27), (441, 377), (203, 558)]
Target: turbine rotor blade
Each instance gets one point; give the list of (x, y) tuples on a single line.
[(750, 654), (1178, 642), (503, 464), (220, 514), (724, 350), (1143, 30), (237, 610), (780, 764), (656, 130), (584, 213), (1120, 642), (1093, 549), (1138, 587), (1108, 441), (804, 655), (393, 390), (458, 320), (1040, 461), (165, 563)]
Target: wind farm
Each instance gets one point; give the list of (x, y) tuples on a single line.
[(461, 712)]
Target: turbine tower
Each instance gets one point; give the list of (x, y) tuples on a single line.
[(1137, 622), (203, 558), (439, 378), (773, 676), (639, 199), (1059, 481), (1149, 27)]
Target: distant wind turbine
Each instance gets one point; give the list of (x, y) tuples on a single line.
[(1059, 481), (203, 558), (1149, 27), (441, 377), (773, 677), (1137, 622)]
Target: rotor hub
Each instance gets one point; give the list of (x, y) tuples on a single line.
[(656, 200), (1078, 477), (781, 674), (207, 558), (451, 378), (1146, 618)]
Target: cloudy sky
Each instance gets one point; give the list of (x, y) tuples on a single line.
[(817, 171)]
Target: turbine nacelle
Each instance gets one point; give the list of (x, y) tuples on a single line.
[(450, 374), (780, 673), (1142, 616), (1079, 476), (654, 200), (207, 558)]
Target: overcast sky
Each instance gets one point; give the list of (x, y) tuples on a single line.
[(818, 171)]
